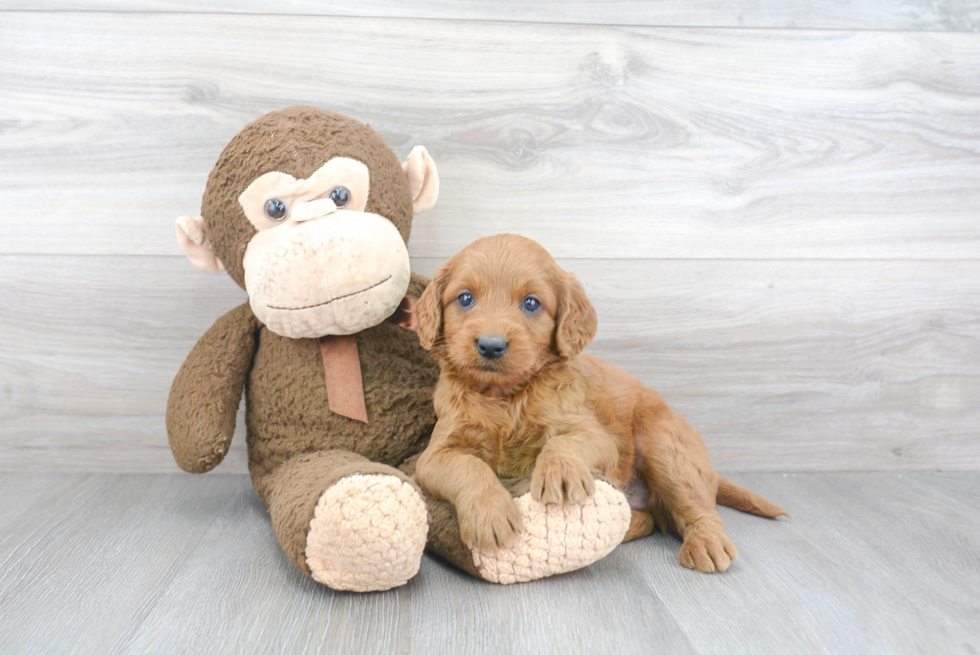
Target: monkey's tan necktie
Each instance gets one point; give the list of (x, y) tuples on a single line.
[(342, 372), (342, 366)]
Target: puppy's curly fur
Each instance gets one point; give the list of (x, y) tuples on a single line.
[(532, 405)]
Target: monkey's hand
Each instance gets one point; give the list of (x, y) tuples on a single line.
[(205, 394)]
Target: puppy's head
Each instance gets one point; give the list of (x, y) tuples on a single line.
[(501, 309)]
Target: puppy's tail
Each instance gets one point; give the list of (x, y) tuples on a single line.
[(740, 498)]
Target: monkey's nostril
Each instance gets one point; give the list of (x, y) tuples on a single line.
[(491, 346)]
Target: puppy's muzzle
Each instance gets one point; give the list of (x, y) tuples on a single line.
[(491, 346)]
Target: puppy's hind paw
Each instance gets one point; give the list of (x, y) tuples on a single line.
[(708, 551)]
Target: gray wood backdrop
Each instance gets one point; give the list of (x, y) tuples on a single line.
[(774, 204)]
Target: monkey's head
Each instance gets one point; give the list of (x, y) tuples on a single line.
[(310, 212)]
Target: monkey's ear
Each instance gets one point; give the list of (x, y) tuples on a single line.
[(192, 236), (576, 319), (423, 179), (428, 310)]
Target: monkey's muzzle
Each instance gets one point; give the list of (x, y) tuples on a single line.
[(338, 274)]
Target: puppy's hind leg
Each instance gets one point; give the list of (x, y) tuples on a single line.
[(673, 460)]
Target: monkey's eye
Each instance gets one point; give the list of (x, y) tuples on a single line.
[(276, 209), (340, 196), (531, 305), (465, 300)]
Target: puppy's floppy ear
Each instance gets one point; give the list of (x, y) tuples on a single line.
[(428, 310), (576, 320)]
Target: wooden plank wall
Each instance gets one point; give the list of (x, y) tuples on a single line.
[(775, 205)]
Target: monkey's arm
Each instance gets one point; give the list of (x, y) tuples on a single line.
[(205, 394)]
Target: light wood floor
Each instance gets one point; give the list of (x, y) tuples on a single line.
[(138, 563)]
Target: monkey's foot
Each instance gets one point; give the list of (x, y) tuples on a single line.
[(557, 539), (367, 534)]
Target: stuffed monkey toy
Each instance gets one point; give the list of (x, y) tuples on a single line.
[(310, 213)]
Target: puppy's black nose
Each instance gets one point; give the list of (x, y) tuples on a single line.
[(491, 346)]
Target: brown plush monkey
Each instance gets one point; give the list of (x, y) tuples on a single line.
[(310, 212)]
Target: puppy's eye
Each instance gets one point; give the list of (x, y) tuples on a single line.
[(531, 305), (340, 196), (465, 300), (276, 209)]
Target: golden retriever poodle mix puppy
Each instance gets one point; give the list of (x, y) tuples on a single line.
[(516, 398)]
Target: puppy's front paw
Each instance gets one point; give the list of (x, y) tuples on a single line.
[(708, 550), (561, 479), (490, 521)]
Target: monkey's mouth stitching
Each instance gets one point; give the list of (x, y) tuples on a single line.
[(327, 302)]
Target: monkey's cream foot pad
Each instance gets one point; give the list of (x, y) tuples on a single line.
[(559, 539), (367, 534)]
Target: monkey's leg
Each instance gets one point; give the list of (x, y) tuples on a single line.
[(555, 539), (347, 522)]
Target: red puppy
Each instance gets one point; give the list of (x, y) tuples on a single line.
[(516, 399)]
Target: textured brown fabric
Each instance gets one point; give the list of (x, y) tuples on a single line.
[(297, 485), (288, 413), (297, 141), (416, 287), (205, 394), (342, 372)]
